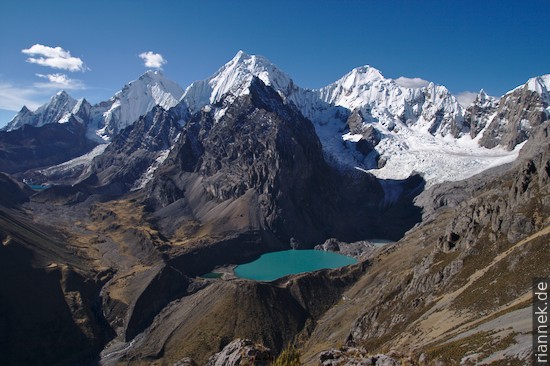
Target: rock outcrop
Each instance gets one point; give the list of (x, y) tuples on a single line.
[(130, 160), (242, 352), (518, 114)]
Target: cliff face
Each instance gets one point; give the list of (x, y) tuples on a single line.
[(518, 114), (130, 160)]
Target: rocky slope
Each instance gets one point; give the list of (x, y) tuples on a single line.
[(459, 285), (518, 113), (130, 160), (50, 304)]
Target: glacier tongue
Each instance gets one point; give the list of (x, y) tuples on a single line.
[(437, 159)]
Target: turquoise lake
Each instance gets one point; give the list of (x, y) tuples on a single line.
[(38, 187), (275, 265)]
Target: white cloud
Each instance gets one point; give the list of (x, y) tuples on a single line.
[(466, 98), (54, 57), (59, 81), (14, 98), (151, 59), (411, 82)]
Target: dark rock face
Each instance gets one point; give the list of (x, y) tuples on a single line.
[(371, 136), (169, 284), (14, 193), (265, 153), (518, 113), (134, 150), (32, 147)]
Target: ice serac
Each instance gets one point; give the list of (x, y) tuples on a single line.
[(59, 106), (136, 99)]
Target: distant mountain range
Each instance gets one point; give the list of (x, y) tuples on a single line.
[(363, 120)]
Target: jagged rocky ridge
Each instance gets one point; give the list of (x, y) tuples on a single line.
[(363, 120), (130, 160), (35, 147)]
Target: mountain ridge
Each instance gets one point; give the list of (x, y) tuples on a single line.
[(364, 120)]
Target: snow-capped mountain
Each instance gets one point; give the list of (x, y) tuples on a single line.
[(136, 99), (235, 78), (415, 129), (57, 108), (518, 112), (105, 119), (431, 108), (364, 120), (541, 86)]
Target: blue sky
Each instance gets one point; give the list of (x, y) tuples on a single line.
[(464, 45)]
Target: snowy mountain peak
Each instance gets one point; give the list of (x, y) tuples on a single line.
[(57, 108), (152, 84), (364, 75), (62, 94), (235, 78), (540, 85), (136, 99), (61, 97), (484, 100)]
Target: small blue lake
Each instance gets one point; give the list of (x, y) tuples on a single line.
[(275, 265), (38, 187)]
